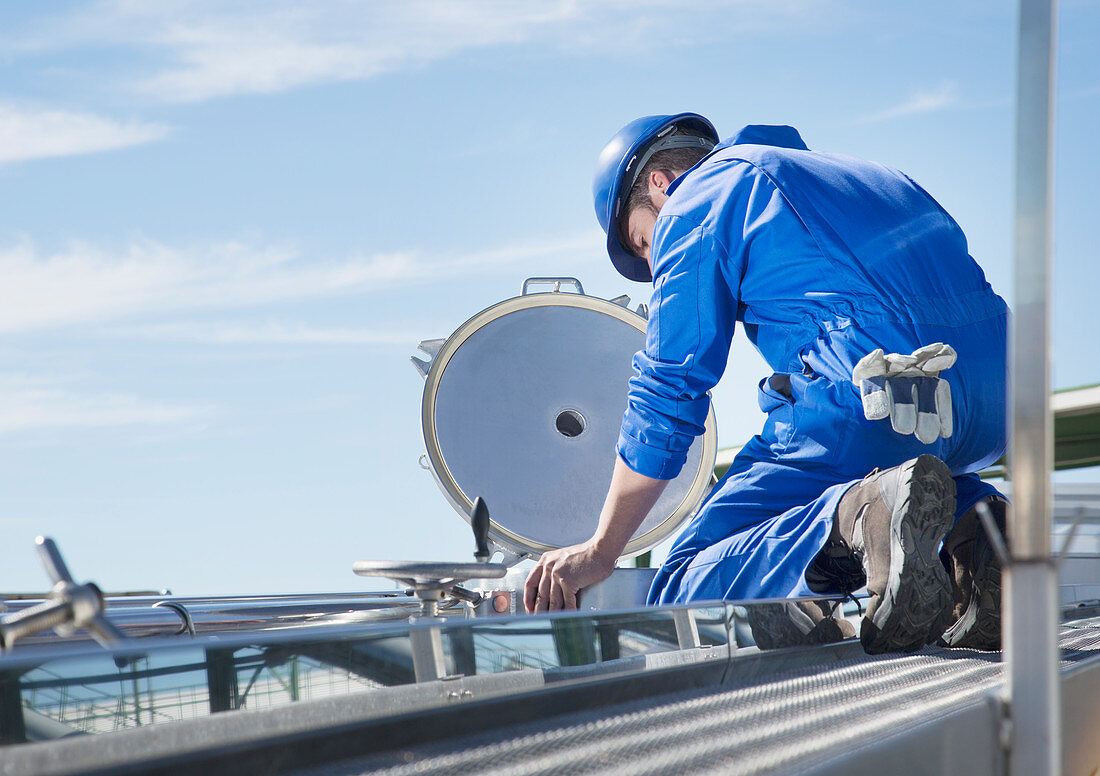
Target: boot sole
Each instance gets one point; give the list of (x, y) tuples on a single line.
[(979, 627), (915, 608)]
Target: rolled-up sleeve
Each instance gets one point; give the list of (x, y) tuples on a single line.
[(691, 323)]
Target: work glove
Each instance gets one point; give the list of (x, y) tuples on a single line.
[(908, 390)]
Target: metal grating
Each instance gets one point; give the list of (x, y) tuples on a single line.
[(787, 721)]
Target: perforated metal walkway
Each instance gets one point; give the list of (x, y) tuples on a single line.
[(933, 712), (812, 711)]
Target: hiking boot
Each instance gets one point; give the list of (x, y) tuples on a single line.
[(975, 572), (796, 624), (894, 522)]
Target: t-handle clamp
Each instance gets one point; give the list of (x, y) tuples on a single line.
[(68, 607), (479, 521)]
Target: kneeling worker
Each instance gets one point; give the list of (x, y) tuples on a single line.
[(888, 393)]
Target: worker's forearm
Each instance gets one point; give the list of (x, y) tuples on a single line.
[(629, 500)]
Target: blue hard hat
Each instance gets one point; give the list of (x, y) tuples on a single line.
[(619, 164)]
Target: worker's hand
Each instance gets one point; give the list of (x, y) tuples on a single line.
[(908, 390), (559, 575)]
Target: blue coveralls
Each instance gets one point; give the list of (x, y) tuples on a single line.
[(823, 258)]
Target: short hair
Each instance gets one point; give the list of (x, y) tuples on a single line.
[(675, 161)]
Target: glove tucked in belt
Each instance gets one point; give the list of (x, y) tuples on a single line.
[(908, 390)]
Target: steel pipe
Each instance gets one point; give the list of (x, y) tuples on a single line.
[(1030, 585)]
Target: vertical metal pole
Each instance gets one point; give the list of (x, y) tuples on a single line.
[(687, 630), (12, 727), (429, 661), (221, 680), (1030, 587), (137, 693), (149, 693), (295, 680), (608, 634)]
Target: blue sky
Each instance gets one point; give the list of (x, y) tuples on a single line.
[(225, 226)]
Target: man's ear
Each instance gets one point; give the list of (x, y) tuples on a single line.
[(659, 180)]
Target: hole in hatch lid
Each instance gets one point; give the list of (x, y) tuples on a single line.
[(570, 423)]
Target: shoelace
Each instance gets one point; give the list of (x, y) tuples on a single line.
[(849, 597)]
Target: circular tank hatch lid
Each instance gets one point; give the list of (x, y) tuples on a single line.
[(522, 406)]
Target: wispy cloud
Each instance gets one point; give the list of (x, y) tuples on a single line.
[(270, 333), (221, 54), (32, 403), (202, 49), (88, 284), (946, 95), (31, 132)]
